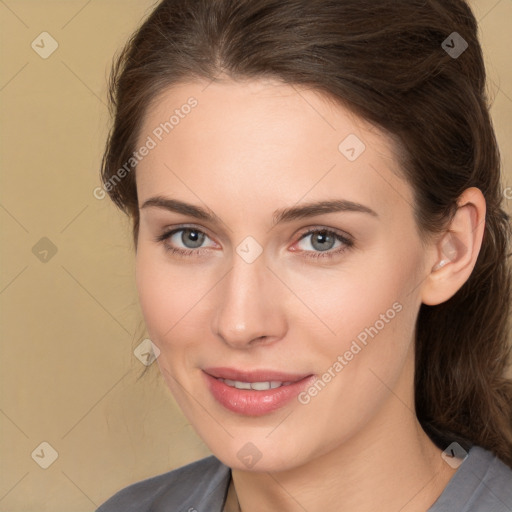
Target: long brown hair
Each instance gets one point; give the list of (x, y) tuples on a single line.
[(386, 61)]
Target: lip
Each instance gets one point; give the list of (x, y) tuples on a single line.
[(251, 402), (253, 375)]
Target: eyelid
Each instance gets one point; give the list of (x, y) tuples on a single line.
[(346, 239), (314, 229), (168, 232), (302, 233), (173, 229)]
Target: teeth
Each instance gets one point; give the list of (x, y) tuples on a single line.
[(257, 386), (237, 384)]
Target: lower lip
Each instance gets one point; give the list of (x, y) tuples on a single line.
[(255, 403)]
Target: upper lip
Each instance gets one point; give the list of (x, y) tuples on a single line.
[(262, 375)]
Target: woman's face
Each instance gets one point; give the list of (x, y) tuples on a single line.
[(256, 299)]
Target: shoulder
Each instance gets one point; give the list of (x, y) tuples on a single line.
[(200, 485), (482, 483)]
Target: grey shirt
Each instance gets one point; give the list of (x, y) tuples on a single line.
[(482, 483)]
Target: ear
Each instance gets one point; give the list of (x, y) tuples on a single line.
[(455, 253)]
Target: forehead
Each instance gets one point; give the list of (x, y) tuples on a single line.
[(264, 142)]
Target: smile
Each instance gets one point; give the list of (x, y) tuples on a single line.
[(255, 392), (257, 386)]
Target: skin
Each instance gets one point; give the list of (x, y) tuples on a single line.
[(247, 150)]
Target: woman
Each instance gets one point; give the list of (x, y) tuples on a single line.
[(321, 253)]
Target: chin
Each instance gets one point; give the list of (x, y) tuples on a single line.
[(259, 453)]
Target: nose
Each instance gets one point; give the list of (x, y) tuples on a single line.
[(249, 311)]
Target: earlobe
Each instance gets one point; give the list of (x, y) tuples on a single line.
[(457, 250)]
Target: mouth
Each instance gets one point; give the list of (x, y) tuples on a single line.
[(255, 392), (256, 386)]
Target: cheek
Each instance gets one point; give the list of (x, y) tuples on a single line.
[(382, 320), (335, 304), (172, 297), (159, 293), (342, 302), (371, 314)]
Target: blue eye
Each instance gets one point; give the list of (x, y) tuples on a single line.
[(193, 236), (323, 241)]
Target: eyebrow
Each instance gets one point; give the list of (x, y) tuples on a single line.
[(280, 216)]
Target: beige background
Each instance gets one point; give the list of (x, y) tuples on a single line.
[(70, 324)]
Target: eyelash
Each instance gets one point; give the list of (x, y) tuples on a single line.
[(347, 243)]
